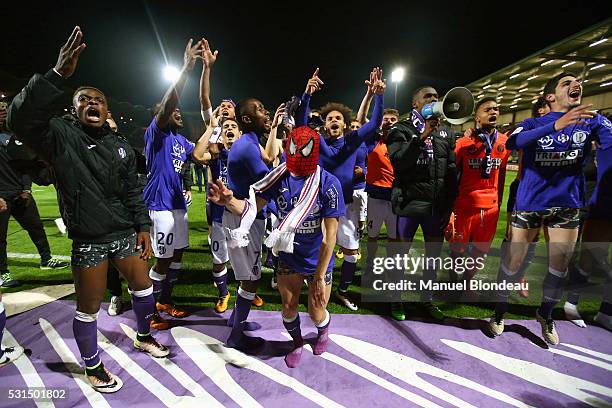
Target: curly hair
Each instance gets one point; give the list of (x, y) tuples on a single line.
[(347, 113)]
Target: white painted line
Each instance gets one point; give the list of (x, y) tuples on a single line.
[(19, 255), (27, 371), (19, 302), (61, 348)]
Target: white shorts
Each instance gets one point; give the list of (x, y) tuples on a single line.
[(360, 197), (348, 227), (170, 231), (379, 212), (246, 261), (218, 244)]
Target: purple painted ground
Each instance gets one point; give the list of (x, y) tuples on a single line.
[(417, 340)]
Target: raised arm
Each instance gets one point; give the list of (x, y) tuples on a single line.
[(171, 98), (201, 153), (526, 134), (364, 108), (209, 58), (313, 85), (41, 99), (274, 146)]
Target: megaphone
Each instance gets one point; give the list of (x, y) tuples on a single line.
[(456, 107)]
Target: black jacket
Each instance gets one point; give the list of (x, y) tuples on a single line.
[(12, 181), (421, 187), (95, 171)]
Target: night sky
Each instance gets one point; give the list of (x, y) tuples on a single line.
[(268, 50)]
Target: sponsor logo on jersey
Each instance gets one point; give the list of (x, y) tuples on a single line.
[(579, 138), (546, 142), (563, 138), (556, 159), (474, 163)]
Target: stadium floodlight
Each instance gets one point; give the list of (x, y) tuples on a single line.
[(171, 73), (397, 76)]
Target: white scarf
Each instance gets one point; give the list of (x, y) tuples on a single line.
[(281, 238)]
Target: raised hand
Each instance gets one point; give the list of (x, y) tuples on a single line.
[(314, 83), (219, 194), (208, 56), (278, 116), (69, 53), (192, 53), (574, 116), (370, 82), (376, 85)]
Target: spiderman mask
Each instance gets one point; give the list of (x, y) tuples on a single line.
[(302, 151)]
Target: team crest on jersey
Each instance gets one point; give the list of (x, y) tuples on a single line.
[(579, 137), (472, 149), (545, 142), (563, 138), (122, 153), (500, 149), (443, 133), (332, 195), (606, 122)]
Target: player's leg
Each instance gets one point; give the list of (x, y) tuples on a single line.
[(162, 241), (246, 264), (178, 238), (562, 228), (6, 279), (434, 239), (348, 240), (89, 266), (8, 354), (113, 284), (462, 232), (375, 222), (220, 257), (525, 226), (289, 286), (127, 260), (482, 236), (320, 316)]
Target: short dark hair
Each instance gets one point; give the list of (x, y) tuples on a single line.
[(539, 103), (80, 88), (550, 86), (335, 106), (233, 120), (482, 101), (241, 109), (419, 89), (391, 111)]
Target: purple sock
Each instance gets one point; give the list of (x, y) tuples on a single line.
[(158, 282), (292, 359), (143, 304), (322, 336), (2, 324), (347, 272), (294, 330), (85, 328), (248, 326), (241, 313), (552, 292), (221, 282), (165, 296)]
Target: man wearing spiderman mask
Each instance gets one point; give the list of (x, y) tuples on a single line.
[(309, 201)]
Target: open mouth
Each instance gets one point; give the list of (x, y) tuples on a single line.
[(225, 113), (92, 114), (575, 93), (492, 119), (230, 136), (334, 127)]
